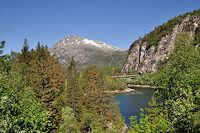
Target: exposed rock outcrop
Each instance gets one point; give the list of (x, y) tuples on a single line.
[(145, 59)]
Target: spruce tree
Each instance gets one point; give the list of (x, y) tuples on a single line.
[(73, 90), (47, 80), (2, 44), (94, 89), (22, 60), (91, 87), (1, 52), (25, 53)]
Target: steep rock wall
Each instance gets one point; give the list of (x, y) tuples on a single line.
[(146, 60)]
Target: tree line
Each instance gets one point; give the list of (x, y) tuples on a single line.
[(39, 95)]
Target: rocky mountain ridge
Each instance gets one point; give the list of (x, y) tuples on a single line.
[(87, 52), (150, 53), (77, 40)]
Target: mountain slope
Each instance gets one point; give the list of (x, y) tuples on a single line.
[(151, 52), (86, 52)]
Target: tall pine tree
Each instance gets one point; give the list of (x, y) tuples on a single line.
[(2, 44), (96, 102), (73, 90), (47, 80), (24, 57), (22, 65)]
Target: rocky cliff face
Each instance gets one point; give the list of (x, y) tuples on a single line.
[(150, 53), (87, 52)]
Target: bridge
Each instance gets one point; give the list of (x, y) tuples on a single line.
[(125, 76), (128, 78)]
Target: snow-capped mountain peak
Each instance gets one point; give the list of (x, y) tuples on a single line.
[(77, 40), (91, 42), (87, 52)]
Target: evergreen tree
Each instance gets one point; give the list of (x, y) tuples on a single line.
[(47, 80), (94, 88), (96, 103), (20, 112), (69, 122), (91, 87), (2, 44), (5, 64), (24, 57), (73, 90)]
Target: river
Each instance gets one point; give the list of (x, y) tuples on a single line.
[(131, 103)]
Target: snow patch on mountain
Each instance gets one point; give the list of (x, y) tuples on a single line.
[(91, 42), (76, 40), (87, 52)]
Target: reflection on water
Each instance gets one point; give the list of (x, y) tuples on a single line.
[(131, 103)]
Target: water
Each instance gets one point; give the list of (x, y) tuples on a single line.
[(131, 103)]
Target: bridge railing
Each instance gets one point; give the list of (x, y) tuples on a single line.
[(125, 76)]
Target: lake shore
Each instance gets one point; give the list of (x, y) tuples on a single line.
[(131, 88), (127, 90), (130, 104), (143, 86)]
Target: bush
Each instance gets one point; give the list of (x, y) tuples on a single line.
[(21, 114)]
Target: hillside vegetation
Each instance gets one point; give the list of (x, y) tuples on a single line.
[(151, 52), (153, 38), (37, 94), (176, 107)]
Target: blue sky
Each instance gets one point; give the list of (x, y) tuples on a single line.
[(118, 22)]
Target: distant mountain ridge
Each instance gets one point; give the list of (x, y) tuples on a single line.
[(87, 52)]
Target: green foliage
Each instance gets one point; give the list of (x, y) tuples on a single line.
[(4, 59), (32, 109), (35, 98), (22, 114), (114, 84), (47, 80), (74, 93), (19, 109), (25, 56), (179, 100), (197, 37), (111, 71), (183, 85), (143, 80), (183, 64), (152, 119), (153, 38), (69, 122), (99, 125), (109, 82), (97, 104), (2, 44)]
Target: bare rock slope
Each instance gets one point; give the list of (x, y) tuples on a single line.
[(151, 52)]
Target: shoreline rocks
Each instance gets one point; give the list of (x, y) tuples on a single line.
[(127, 90)]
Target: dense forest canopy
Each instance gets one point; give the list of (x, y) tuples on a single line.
[(40, 95)]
